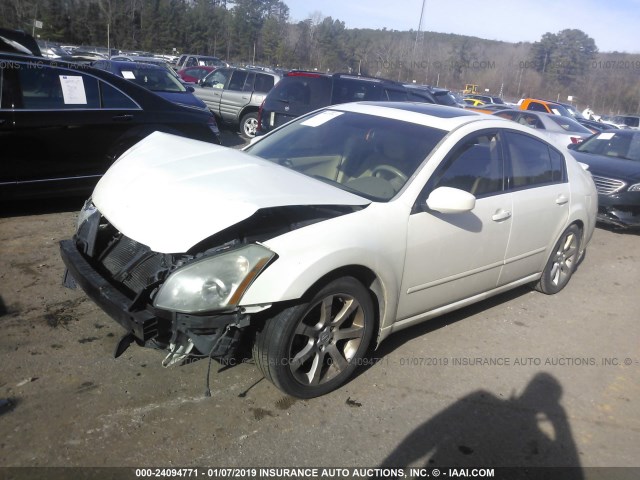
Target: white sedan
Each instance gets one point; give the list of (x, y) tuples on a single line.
[(327, 235)]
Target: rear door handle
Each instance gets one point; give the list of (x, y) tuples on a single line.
[(562, 199), (501, 215), (122, 118)]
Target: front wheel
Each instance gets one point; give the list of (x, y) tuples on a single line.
[(249, 125), (310, 349), (563, 262)]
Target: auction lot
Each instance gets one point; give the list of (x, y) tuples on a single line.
[(520, 380)]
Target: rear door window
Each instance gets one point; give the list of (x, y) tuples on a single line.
[(237, 80), (50, 88), (532, 162)]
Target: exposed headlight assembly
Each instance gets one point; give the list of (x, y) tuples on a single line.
[(213, 283), (88, 209)]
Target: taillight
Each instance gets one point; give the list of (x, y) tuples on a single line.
[(260, 116), (576, 139)]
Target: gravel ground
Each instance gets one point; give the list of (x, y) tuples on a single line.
[(522, 379)]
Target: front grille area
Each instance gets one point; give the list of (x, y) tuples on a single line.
[(132, 263), (607, 186)]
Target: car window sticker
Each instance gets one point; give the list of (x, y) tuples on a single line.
[(606, 136), (73, 90), (321, 118), (128, 75)]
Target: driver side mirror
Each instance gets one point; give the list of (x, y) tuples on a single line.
[(451, 200)]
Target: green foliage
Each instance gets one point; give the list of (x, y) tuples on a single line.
[(259, 31), (564, 57)]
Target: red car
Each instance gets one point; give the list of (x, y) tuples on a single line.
[(193, 74)]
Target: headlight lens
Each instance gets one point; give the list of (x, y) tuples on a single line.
[(213, 283), (634, 188)]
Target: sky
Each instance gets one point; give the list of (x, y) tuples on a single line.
[(613, 25)]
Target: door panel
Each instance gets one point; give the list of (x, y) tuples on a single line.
[(541, 199), (455, 256)]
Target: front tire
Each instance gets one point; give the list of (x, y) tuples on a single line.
[(310, 349), (563, 262), (249, 125)]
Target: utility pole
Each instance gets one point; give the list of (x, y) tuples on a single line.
[(420, 32)]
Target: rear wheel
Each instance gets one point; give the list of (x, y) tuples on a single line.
[(249, 125), (562, 263), (310, 349)]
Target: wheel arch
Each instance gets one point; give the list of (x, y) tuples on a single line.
[(381, 295), (247, 109), (366, 277)]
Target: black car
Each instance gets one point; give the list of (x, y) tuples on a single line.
[(301, 92), (614, 162), (17, 41), (63, 124)]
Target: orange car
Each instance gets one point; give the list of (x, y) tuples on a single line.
[(544, 106)]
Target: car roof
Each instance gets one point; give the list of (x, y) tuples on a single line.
[(128, 64), (428, 114), (348, 76)]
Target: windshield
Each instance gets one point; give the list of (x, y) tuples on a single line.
[(364, 154), (611, 144), (153, 78)]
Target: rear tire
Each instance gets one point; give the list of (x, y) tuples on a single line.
[(249, 125), (563, 262), (310, 349)]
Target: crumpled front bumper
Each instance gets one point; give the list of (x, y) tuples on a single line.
[(141, 322), (620, 210), (145, 322)]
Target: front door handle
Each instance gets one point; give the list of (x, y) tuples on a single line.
[(562, 199), (501, 215)]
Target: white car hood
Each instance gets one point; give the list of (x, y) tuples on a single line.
[(169, 192)]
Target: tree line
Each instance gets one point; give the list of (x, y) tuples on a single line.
[(560, 66)]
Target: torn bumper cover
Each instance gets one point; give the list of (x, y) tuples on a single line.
[(620, 210), (213, 335)]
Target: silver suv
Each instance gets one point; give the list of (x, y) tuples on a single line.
[(234, 95)]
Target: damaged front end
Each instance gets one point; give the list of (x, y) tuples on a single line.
[(165, 300), (185, 303)]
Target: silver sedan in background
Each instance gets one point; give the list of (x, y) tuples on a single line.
[(562, 130)]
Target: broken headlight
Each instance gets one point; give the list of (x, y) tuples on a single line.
[(213, 283)]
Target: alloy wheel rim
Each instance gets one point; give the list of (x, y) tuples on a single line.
[(564, 260), (326, 339), (250, 127)]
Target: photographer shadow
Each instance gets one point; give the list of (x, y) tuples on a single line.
[(483, 431)]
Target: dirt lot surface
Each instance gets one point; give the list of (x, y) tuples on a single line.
[(523, 379)]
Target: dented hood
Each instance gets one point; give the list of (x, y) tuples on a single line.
[(170, 193)]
